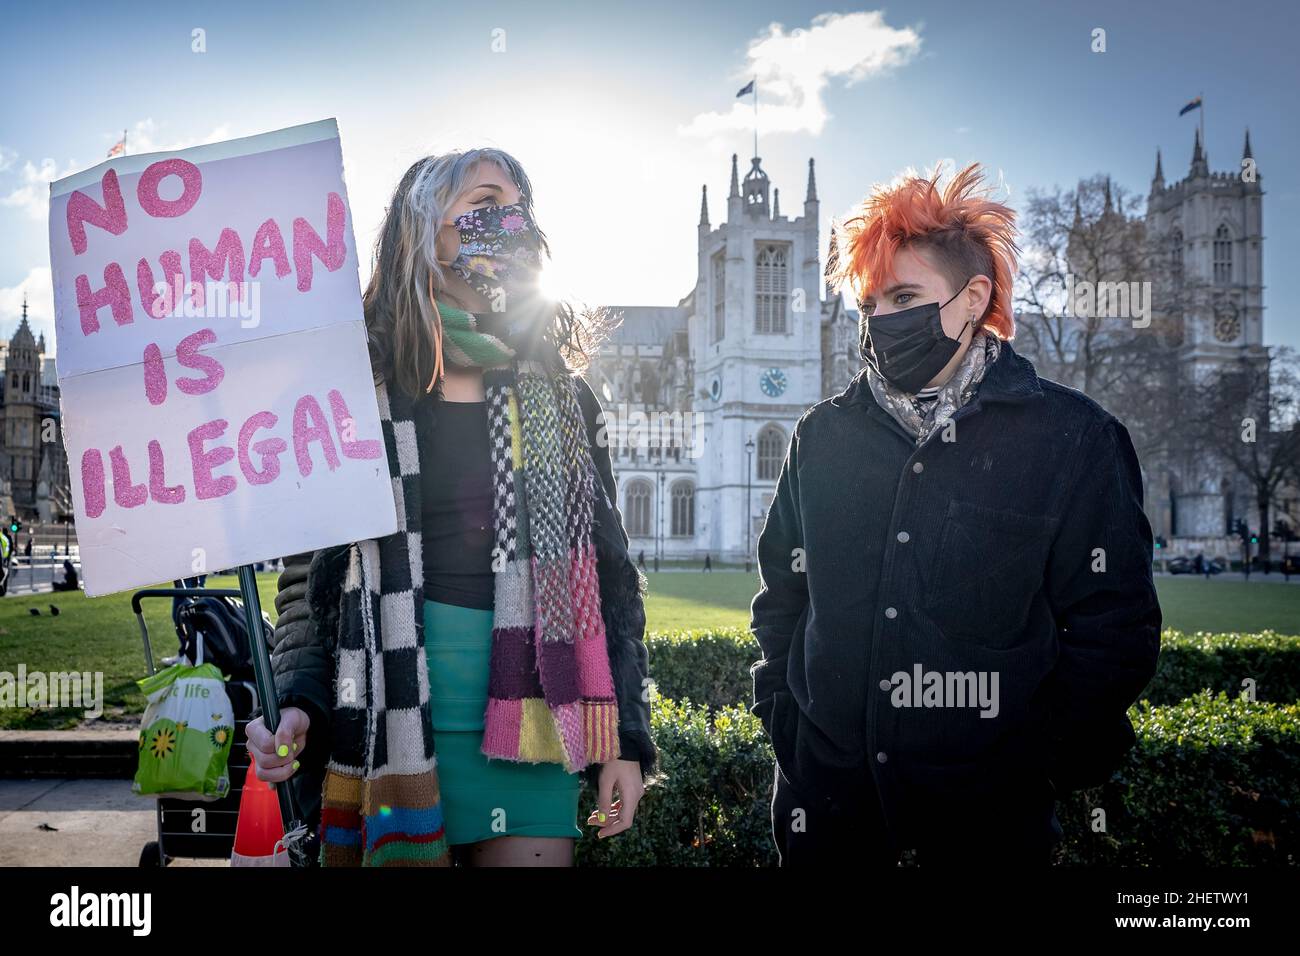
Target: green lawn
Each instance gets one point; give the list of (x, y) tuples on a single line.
[(1189, 603), (100, 634)]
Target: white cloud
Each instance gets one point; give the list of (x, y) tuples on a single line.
[(32, 195), (144, 137), (38, 286), (793, 70)]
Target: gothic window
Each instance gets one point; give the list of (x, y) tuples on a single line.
[(1176, 259), (1222, 256), (719, 298), (648, 391), (639, 495), (771, 452), (683, 508), (771, 288)]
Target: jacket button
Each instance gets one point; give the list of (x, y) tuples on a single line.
[(904, 537), (916, 467), (886, 683), (891, 612), (881, 757)]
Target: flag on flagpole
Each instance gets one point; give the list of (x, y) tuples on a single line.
[(1193, 105), (750, 88), (119, 148)]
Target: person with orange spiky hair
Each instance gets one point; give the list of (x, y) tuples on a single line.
[(956, 605)]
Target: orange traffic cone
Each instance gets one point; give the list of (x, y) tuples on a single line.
[(259, 829)]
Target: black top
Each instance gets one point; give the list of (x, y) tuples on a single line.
[(456, 519)]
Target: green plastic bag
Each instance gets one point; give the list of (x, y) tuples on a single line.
[(186, 734)]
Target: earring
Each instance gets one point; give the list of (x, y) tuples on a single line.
[(437, 340)]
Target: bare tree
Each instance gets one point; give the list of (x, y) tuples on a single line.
[(1246, 413), (1095, 236)]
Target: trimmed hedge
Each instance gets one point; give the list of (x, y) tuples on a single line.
[(711, 667), (1190, 663), (1211, 781), (712, 805)]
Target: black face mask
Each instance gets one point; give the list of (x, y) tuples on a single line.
[(909, 347)]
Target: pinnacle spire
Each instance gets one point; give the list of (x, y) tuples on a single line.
[(1246, 153), (1160, 172), (735, 179), (776, 203), (704, 206), (812, 184), (1198, 154)]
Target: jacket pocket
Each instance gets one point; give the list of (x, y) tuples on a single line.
[(987, 569), (783, 727)]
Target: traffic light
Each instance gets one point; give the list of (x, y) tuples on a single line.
[(1160, 542), (14, 525), (1254, 539)]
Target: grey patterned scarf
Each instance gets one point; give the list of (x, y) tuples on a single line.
[(920, 415)]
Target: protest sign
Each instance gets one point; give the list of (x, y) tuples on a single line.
[(218, 404)]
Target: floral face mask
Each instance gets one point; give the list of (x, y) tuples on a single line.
[(499, 246)]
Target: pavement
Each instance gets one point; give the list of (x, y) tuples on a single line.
[(37, 576), (66, 800), (1256, 577), (87, 822)]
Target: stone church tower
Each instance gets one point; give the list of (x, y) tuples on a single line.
[(1210, 226), (32, 455), (756, 333), (735, 362), (22, 414)]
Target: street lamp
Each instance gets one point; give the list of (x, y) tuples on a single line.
[(749, 521)]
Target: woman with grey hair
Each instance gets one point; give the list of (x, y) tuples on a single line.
[(455, 678)]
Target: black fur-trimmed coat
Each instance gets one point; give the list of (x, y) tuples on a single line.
[(310, 587)]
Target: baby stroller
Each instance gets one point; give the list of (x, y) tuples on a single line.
[(210, 625)]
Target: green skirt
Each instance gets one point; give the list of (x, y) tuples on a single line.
[(484, 798)]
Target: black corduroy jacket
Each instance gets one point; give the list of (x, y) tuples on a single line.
[(307, 627), (1018, 549)]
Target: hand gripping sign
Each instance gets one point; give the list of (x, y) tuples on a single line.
[(218, 405)]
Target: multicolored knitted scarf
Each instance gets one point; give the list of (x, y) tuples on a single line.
[(550, 690)]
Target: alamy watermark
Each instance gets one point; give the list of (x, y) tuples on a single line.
[(61, 689), (1109, 300), (209, 300), (628, 426), (922, 688)]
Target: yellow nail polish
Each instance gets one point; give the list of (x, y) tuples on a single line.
[(282, 750), (295, 765), (600, 817)]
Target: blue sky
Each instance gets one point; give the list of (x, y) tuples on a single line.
[(620, 111)]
